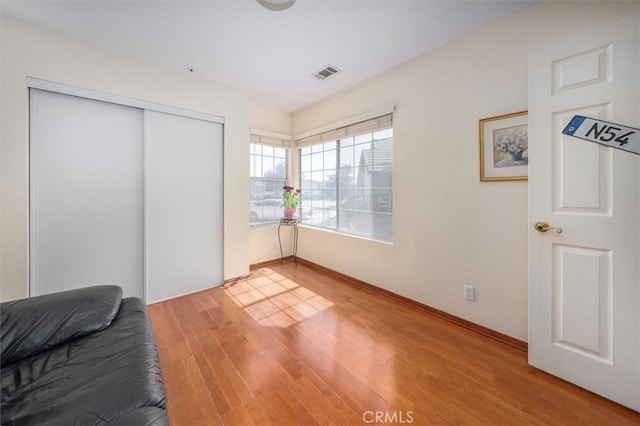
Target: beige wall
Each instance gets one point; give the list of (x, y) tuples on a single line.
[(27, 51), (450, 229)]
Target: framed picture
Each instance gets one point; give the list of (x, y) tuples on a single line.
[(504, 143)]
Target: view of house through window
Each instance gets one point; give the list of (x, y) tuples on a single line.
[(346, 184), (268, 172)]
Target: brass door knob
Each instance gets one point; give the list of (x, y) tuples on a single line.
[(544, 227)]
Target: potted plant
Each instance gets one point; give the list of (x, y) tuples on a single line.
[(291, 201)]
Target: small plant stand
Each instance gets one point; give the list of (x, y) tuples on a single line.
[(294, 223)]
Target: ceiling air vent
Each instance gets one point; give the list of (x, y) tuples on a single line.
[(326, 72)]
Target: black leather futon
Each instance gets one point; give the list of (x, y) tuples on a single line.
[(79, 357)]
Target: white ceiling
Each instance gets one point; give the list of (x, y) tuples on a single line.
[(271, 55)]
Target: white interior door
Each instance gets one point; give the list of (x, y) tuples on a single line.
[(184, 241), (584, 299), (86, 194)]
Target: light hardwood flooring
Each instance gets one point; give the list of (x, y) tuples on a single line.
[(292, 346)]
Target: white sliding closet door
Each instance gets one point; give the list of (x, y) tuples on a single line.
[(86, 206), (183, 190)]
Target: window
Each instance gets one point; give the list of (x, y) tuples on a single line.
[(268, 173), (346, 181)]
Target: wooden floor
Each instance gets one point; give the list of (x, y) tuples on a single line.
[(291, 346)]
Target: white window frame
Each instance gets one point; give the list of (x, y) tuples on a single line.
[(267, 211), (327, 141)]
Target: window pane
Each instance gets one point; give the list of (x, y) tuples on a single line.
[(268, 210), (305, 201), (359, 149), (382, 152), (330, 159), (267, 167), (255, 190), (256, 165), (367, 137), (318, 179), (347, 199), (252, 159), (382, 200), (346, 141), (347, 176), (346, 156), (383, 134), (272, 189), (330, 198), (330, 217), (280, 152), (317, 161), (330, 145), (330, 179), (305, 150), (363, 223), (363, 199), (305, 181), (383, 226), (346, 221), (305, 163), (315, 215), (280, 170)]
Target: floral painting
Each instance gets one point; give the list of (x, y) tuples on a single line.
[(504, 147), (510, 146)]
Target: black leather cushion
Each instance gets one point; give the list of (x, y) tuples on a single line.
[(109, 377), (33, 325), (145, 416)]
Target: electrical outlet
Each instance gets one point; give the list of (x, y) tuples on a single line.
[(274, 244), (470, 293)]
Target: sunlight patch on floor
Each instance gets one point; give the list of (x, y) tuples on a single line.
[(275, 301)]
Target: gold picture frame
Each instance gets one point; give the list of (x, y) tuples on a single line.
[(504, 143)]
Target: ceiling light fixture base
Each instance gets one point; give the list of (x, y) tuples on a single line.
[(276, 4)]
